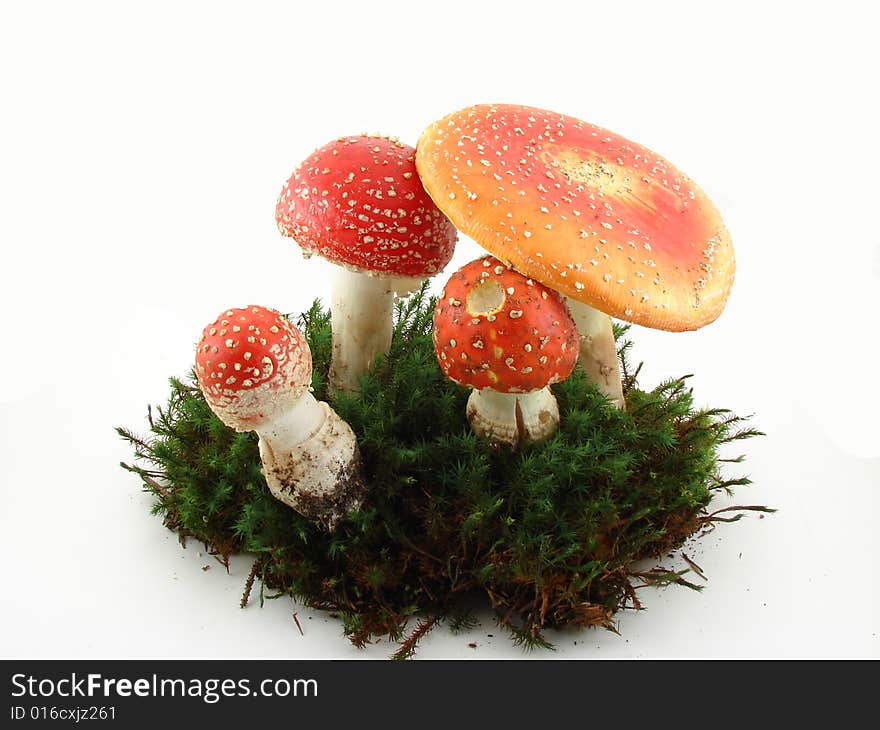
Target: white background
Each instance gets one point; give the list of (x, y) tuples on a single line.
[(142, 147)]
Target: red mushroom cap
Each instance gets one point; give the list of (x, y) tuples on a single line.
[(595, 216), (358, 201), (495, 328), (251, 364)]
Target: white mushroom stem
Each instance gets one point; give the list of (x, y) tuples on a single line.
[(512, 418), (598, 350), (294, 425), (361, 320), (311, 461)]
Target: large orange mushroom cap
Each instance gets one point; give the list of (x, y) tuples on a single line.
[(585, 211)]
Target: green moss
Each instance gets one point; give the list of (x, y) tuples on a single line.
[(547, 534)]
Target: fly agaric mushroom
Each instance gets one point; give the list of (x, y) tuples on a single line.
[(507, 337), (358, 202), (604, 221), (255, 369)]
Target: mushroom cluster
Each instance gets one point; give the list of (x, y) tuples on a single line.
[(580, 225)]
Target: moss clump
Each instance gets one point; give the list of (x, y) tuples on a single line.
[(548, 534)]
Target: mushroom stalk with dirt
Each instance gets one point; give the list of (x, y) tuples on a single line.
[(254, 369), (359, 203), (611, 225), (509, 338), (513, 418)]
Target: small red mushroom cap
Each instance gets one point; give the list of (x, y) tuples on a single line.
[(495, 328), (252, 364), (359, 202)]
